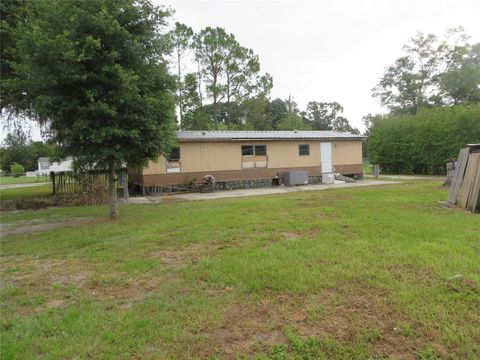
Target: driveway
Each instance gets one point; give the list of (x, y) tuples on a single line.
[(408, 177), (14, 186), (255, 192)]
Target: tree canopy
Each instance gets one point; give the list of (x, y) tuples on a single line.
[(422, 143), (18, 147), (433, 96), (96, 72), (432, 72), (229, 91)]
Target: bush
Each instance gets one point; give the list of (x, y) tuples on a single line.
[(28, 204), (423, 143), (17, 170)]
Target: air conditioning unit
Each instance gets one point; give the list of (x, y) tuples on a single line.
[(299, 177), (328, 178)]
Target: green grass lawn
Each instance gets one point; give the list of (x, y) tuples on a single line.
[(25, 192), (367, 168), (347, 273), (7, 180)]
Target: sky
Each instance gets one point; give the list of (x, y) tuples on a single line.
[(323, 50), (332, 50)]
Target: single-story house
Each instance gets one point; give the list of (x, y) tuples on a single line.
[(45, 166), (247, 155)]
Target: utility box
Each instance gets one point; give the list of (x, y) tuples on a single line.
[(328, 178), (292, 178)]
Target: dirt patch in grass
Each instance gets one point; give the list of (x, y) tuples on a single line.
[(54, 303), (290, 235), (413, 273), (365, 309), (127, 292), (356, 314), (34, 227), (190, 254), (247, 327), (35, 284), (21, 269), (175, 259)]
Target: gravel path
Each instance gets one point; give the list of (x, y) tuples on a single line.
[(408, 177), (14, 186)]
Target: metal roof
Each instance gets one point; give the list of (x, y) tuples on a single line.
[(265, 135), (45, 159)]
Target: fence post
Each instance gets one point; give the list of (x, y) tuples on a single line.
[(52, 177), (124, 181)]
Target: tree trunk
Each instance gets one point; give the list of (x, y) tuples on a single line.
[(112, 187), (228, 101), (180, 105), (215, 110), (200, 84)]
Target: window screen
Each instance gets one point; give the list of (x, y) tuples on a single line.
[(247, 150), (303, 149), (174, 154), (260, 149)]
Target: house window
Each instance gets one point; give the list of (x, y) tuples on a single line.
[(303, 149), (260, 150), (173, 162), (174, 154), (44, 166), (247, 150), (254, 156)]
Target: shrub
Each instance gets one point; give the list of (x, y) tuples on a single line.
[(423, 143), (17, 170), (28, 204)]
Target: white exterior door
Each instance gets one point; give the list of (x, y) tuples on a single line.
[(326, 162)]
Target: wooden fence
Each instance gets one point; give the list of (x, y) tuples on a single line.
[(86, 188), (465, 183)]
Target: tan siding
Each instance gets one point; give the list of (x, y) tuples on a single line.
[(346, 152), (156, 167), (226, 175), (212, 156), (285, 154)]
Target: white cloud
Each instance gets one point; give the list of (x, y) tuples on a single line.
[(329, 50)]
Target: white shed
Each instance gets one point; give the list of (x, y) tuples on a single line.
[(45, 166)]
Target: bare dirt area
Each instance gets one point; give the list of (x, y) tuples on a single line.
[(51, 271), (45, 282), (26, 227), (348, 315), (177, 258)]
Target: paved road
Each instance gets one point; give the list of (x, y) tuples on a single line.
[(14, 186), (255, 192)]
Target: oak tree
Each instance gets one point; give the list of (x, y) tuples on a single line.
[(95, 72)]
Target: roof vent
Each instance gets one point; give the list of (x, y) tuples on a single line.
[(203, 132), (295, 131)]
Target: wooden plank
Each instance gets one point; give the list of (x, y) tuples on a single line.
[(472, 200), (478, 200), (475, 204), (468, 181), (474, 196), (458, 175)]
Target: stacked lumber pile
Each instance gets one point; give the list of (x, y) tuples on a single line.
[(465, 186)]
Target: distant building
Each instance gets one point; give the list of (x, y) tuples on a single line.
[(45, 166)]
